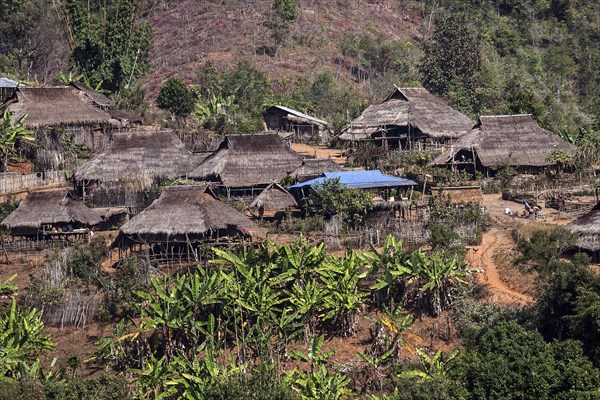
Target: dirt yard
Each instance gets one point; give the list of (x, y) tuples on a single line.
[(336, 155)]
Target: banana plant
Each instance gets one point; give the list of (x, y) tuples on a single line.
[(344, 297), (7, 289), (152, 380), (11, 133), (21, 338), (318, 383), (307, 299), (431, 366), (389, 271), (298, 261), (392, 334), (440, 276)]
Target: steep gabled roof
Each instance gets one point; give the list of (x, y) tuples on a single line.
[(248, 160), (588, 228), (137, 155), (55, 106), (508, 140), (414, 107), (50, 207), (274, 197), (184, 211)]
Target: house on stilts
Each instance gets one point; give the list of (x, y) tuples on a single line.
[(304, 128), (180, 220), (53, 214), (408, 119), (244, 165), (498, 141)]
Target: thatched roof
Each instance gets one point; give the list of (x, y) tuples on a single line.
[(274, 197), (248, 160), (182, 211), (55, 106), (460, 194), (315, 167), (414, 107), (51, 207), (139, 155), (93, 97), (588, 228), (515, 140)]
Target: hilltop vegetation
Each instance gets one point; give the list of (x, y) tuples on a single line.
[(485, 57)]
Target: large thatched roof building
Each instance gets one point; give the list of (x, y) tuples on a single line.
[(588, 228), (408, 118), (504, 140), (184, 214), (134, 163), (245, 162), (51, 211), (55, 106)]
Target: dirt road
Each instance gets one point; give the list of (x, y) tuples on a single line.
[(481, 258)]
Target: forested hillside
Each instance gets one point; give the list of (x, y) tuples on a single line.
[(485, 57)]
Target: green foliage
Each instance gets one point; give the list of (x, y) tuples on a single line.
[(227, 106), (506, 361), (175, 97), (452, 60), (21, 339), (110, 45), (282, 16), (19, 18), (331, 198), (12, 132)]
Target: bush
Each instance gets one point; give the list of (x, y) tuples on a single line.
[(176, 98)]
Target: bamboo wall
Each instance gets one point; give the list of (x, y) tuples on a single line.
[(16, 182)]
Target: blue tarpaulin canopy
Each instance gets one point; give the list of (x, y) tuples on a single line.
[(359, 179)]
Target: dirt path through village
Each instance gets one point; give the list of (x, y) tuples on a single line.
[(481, 258)]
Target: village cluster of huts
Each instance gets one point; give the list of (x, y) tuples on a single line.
[(162, 194)]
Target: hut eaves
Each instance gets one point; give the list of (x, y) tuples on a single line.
[(588, 229)]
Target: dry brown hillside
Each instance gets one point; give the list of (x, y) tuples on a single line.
[(187, 33)]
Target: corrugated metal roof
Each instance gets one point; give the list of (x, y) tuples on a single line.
[(359, 179), (302, 115), (5, 82)]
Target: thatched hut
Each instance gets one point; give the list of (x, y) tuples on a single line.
[(588, 228), (312, 168), (409, 118), (129, 172), (63, 122), (460, 195), (184, 216), (273, 201), (8, 88), (244, 163), (304, 128), (45, 214), (504, 140)]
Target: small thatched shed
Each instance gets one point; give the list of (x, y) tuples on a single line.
[(304, 127), (504, 140), (43, 213), (588, 228), (410, 118), (460, 195), (184, 215), (273, 199), (93, 97), (245, 162), (132, 167), (312, 168)]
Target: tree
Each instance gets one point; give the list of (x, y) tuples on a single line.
[(451, 60), (12, 132), (331, 198), (283, 15), (175, 97)]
